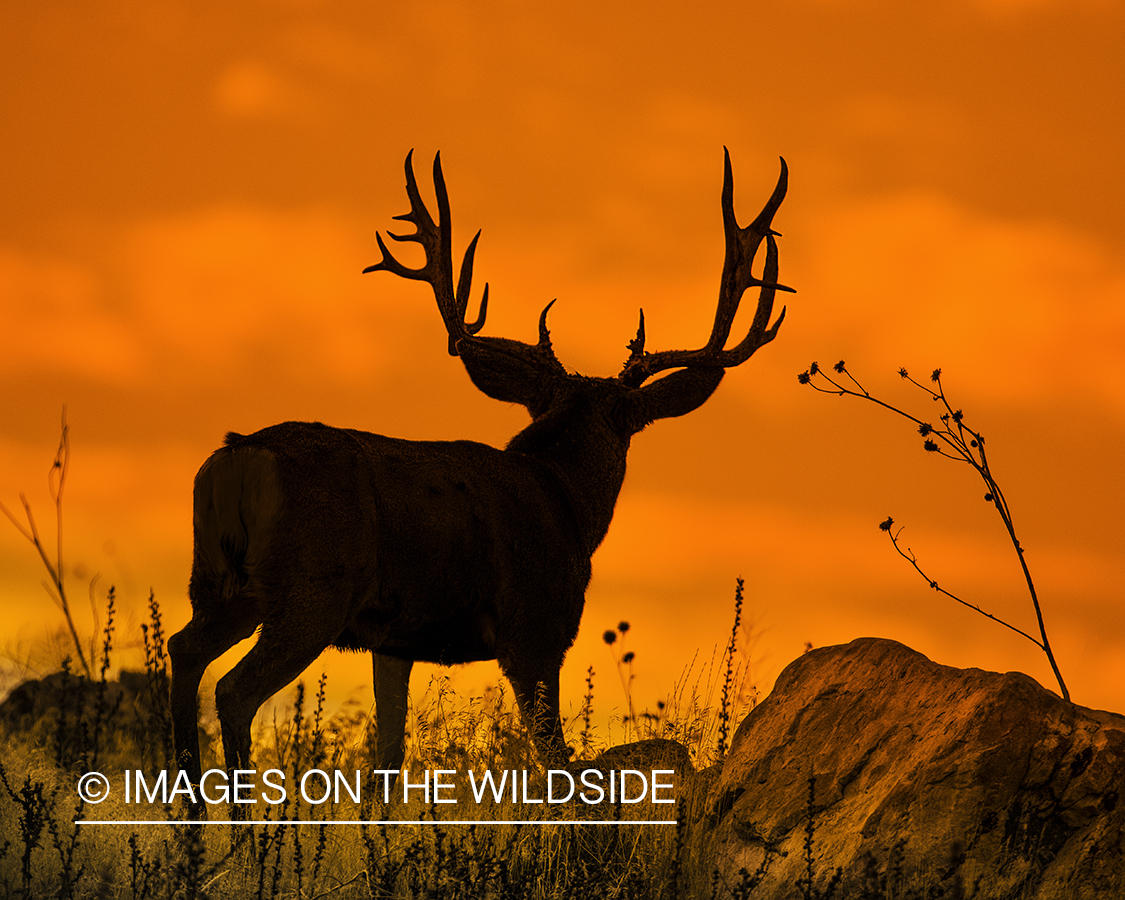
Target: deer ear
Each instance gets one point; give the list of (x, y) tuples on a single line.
[(673, 395), (511, 371)]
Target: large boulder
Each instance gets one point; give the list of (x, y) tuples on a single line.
[(935, 776)]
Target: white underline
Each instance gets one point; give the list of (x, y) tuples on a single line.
[(375, 822)]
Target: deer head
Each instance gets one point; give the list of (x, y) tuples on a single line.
[(531, 375)]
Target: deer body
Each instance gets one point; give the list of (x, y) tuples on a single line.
[(417, 547), (444, 552)]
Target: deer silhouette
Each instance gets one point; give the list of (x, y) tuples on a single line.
[(444, 552)]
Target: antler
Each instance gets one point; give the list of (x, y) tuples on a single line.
[(741, 247), (437, 242)]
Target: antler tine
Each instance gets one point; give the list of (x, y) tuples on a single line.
[(636, 346), (741, 247), (425, 233), (463, 287), (544, 332), (437, 243), (761, 332)]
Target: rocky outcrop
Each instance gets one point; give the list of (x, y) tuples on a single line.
[(64, 708), (947, 776)]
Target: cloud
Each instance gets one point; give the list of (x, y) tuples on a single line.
[(55, 317), (251, 89), (884, 118), (1019, 309), (1009, 8), (236, 287), (206, 296)]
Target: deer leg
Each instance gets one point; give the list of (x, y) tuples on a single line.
[(537, 693), (285, 648), (192, 650), (392, 682)]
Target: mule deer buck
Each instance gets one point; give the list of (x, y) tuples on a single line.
[(445, 552)]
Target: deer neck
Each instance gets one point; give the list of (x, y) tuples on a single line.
[(588, 463)]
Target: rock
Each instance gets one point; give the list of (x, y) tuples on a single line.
[(66, 709), (669, 757), (653, 753), (947, 775), (657, 772)]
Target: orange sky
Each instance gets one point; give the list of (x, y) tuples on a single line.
[(191, 191)]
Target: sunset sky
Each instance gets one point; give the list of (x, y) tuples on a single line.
[(191, 191)]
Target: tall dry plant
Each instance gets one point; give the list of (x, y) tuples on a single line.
[(954, 440), (56, 480)]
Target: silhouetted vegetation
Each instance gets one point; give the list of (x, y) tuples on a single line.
[(413, 850), (955, 440), (56, 481), (75, 725)]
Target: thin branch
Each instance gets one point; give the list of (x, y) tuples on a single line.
[(961, 444), (55, 570), (909, 556), (27, 534)]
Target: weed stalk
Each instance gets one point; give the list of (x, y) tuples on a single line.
[(954, 440)]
